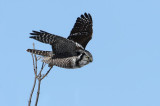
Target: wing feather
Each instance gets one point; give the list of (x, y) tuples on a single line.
[(82, 30), (61, 47)]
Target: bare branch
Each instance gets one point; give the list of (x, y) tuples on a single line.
[(35, 57), (46, 73), (35, 72), (30, 98), (38, 58), (38, 92), (38, 77), (43, 65), (34, 62)]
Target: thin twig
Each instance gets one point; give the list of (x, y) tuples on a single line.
[(47, 73), (39, 81), (38, 58), (38, 77), (35, 72), (43, 65), (38, 92), (35, 61), (30, 98), (35, 57)]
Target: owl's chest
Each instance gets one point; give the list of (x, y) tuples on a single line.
[(69, 62)]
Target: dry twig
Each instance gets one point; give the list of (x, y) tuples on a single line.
[(30, 98), (46, 73), (38, 92), (38, 77)]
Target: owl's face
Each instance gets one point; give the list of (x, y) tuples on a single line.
[(84, 58)]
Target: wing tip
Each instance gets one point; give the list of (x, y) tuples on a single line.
[(32, 37), (86, 15), (34, 33)]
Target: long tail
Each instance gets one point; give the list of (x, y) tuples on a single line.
[(40, 52), (43, 36)]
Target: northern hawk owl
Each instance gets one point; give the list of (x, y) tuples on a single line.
[(70, 52)]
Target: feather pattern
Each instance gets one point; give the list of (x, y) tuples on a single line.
[(70, 52), (82, 30), (62, 62), (62, 47), (40, 52)]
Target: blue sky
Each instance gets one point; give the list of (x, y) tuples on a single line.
[(125, 49)]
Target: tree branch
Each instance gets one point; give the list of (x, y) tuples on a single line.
[(35, 69), (38, 77), (35, 57), (30, 98), (38, 92), (46, 73), (43, 65)]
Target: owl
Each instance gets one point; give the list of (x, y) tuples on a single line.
[(67, 52)]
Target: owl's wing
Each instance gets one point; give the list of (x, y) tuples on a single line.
[(61, 47), (82, 30)]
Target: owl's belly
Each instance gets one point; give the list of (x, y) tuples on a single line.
[(69, 62)]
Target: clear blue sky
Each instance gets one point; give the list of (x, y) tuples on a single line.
[(125, 48)]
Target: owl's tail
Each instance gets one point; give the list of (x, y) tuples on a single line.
[(40, 52)]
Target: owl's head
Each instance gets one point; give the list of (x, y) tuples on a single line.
[(84, 58)]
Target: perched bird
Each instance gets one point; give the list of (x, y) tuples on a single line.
[(70, 52)]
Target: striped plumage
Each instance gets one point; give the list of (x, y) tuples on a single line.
[(61, 62), (82, 30), (40, 52), (70, 52)]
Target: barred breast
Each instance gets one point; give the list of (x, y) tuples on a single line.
[(69, 62)]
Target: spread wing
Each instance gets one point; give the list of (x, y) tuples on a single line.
[(82, 30), (61, 47)]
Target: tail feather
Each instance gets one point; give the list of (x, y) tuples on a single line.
[(40, 52), (43, 36)]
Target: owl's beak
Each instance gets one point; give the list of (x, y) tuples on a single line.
[(91, 59)]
